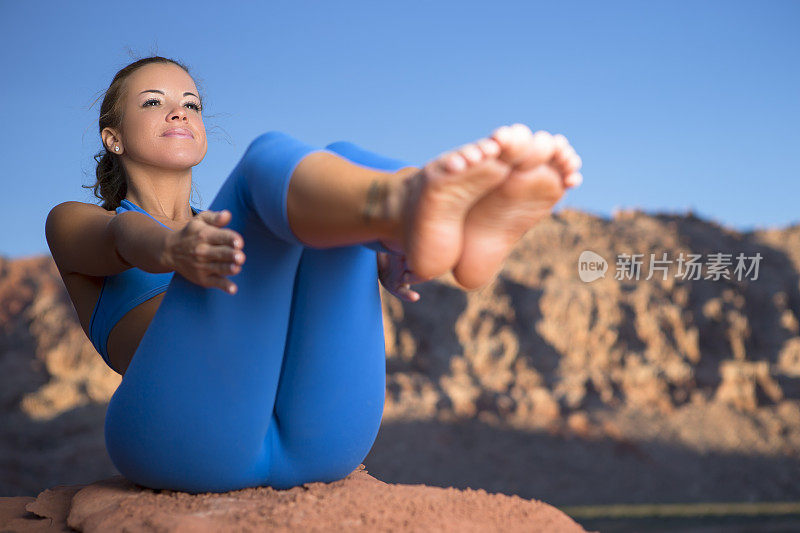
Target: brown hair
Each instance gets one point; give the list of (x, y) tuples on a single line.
[(111, 186)]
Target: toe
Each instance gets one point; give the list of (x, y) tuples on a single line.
[(521, 134), (542, 146), (572, 160), (503, 135), (471, 153), (577, 162), (574, 179), (521, 130), (560, 141), (561, 163), (521, 147), (453, 162), (489, 147), (562, 154), (560, 146)]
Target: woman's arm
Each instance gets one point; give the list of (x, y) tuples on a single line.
[(80, 240), (141, 241)]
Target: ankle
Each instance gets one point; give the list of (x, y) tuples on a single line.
[(396, 204)]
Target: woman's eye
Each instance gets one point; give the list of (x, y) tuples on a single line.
[(155, 101)]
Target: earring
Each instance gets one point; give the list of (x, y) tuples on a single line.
[(116, 148)]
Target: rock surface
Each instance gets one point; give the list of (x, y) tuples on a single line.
[(357, 503)]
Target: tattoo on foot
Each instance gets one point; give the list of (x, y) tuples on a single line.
[(375, 206)]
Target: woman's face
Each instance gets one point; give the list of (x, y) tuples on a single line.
[(161, 97)]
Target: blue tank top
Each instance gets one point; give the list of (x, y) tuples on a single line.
[(122, 292)]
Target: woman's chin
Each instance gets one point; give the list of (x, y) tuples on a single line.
[(178, 162)]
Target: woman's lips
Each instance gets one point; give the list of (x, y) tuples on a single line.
[(186, 134)]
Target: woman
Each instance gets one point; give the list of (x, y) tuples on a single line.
[(278, 377)]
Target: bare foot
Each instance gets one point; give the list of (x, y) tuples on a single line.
[(543, 166), (435, 201)]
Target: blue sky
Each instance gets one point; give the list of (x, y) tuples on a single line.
[(671, 105)]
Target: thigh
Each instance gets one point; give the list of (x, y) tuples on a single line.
[(197, 400), (331, 391), (335, 363)]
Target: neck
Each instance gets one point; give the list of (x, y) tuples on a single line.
[(165, 196)]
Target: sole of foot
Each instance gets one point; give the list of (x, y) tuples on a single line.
[(437, 200), (542, 168)]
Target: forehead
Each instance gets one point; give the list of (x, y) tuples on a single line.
[(164, 76)]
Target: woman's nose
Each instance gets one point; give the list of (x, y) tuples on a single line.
[(179, 113)]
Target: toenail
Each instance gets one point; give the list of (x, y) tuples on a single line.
[(560, 140), (471, 153), (521, 128), (541, 134), (489, 146), (575, 179), (502, 133), (456, 162)]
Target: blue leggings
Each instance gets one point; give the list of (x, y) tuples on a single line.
[(278, 385)]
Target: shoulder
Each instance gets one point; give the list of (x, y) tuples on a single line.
[(81, 240), (72, 206), (66, 213)]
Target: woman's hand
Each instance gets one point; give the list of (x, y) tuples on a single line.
[(395, 277), (204, 253)]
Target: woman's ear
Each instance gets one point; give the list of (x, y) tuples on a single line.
[(111, 139)]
